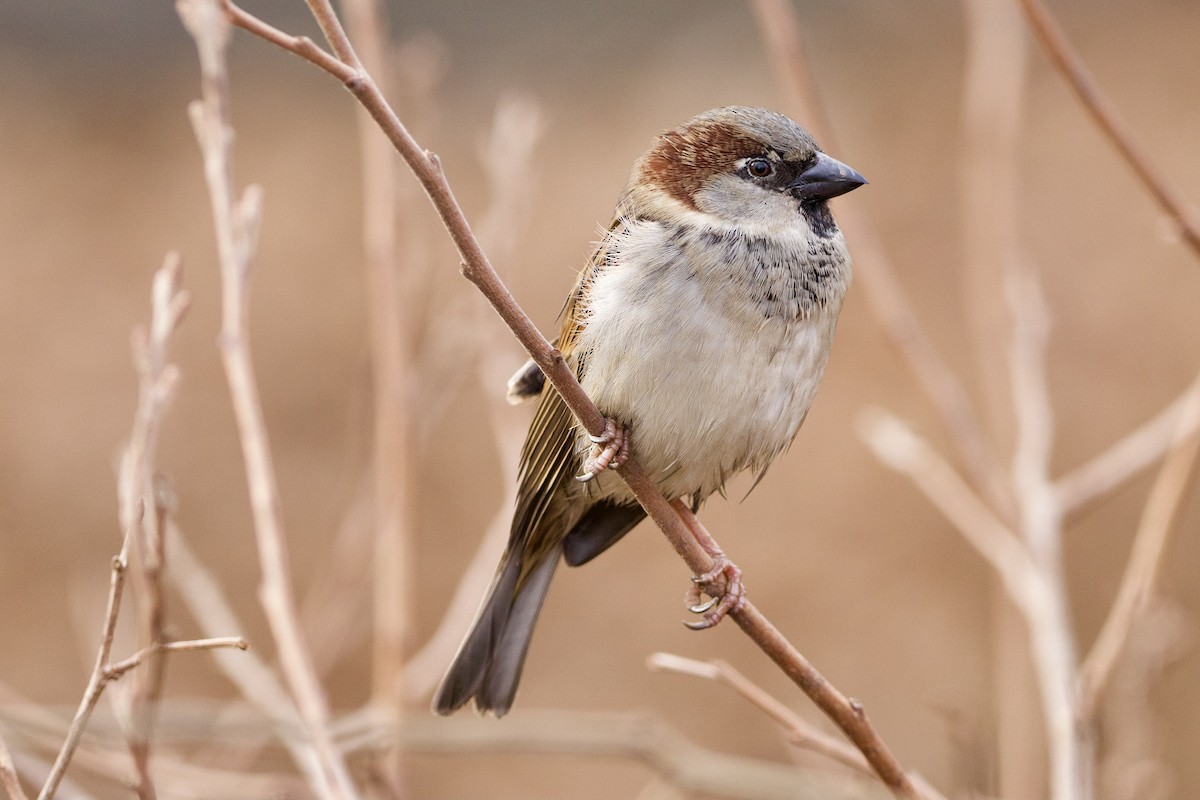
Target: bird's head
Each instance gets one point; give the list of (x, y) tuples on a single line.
[(742, 166)]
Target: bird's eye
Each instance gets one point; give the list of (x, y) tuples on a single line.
[(759, 167)]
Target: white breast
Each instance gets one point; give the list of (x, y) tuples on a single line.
[(708, 383)]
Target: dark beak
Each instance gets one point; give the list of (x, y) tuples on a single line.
[(827, 178)]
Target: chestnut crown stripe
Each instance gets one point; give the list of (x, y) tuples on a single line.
[(682, 161)]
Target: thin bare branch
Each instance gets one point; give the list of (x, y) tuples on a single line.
[(1069, 64), (142, 543), (335, 34), (507, 158), (142, 551), (994, 86), (1176, 476), (300, 46), (105, 755), (140, 486), (898, 447), (799, 731), (1134, 452), (236, 221), (116, 670), (639, 737)]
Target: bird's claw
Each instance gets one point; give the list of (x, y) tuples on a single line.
[(723, 584), (609, 450), (700, 608)]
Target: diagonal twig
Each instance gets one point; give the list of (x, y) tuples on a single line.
[(507, 156), (898, 447), (1067, 61), (1125, 458), (799, 731), (1146, 558)]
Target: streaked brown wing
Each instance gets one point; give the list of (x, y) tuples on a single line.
[(548, 460)]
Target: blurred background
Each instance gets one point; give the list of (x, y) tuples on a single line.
[(101, 177)]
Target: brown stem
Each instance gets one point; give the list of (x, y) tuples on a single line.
[(1069, 64)]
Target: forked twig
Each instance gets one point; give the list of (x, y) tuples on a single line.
[(143, 545), (116, 670), (156, 382), (426, 167), (140, 485)]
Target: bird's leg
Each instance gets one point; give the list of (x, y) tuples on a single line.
[(609, 450), (722, 583)]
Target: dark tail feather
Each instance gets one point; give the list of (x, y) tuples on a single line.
[(599, 529), (488, 664)]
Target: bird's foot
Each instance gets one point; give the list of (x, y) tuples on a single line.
[(722, 583), (724, 587), (609, 450)]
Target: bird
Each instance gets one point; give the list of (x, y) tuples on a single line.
[(700, 327)]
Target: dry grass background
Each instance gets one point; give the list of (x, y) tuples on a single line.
[(101, 177)]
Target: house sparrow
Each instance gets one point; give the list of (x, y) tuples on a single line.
[(700, 327)]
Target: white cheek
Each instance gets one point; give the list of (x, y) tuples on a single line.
[(753, 208)]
